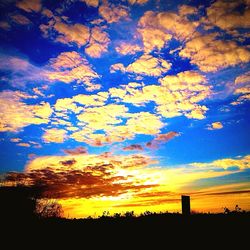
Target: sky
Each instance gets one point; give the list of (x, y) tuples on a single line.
[(127, 105)]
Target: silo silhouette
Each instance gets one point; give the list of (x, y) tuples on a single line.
[(185, 202)]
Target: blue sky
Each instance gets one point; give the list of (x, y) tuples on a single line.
[(166, 83)]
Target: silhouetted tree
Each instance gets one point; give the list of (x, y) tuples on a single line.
[(226, 210), (48, 208), (129, 214)]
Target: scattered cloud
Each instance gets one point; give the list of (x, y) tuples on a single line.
[(29, 5), (54, 135), (71, 66), (126, 48), (91, 3), (76, 33), (20, 19), (177, 95), (140, 2), (153, 38), (112, 13), (145, 65), (16, 114), (23, 144), (168, 23), (117, 67), (76, 151), (15, 139), (98, 43), (211, 54), (227, 15), (133, 147), (215, 125), (185, 10), (5, 25), (227, 163), (161, 138), (242, 88)]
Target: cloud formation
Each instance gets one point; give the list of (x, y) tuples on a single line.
[(177, 95), (161, 138), (228, 15), (92, 3), (215, 125), (242, 88), (76, 151), (242, 163), (54, 135), (112, 13), (29, 5), (16, 114), (145, 65), (98, 43), (133, 147), (71, 66), (211, 54), (126, 48)]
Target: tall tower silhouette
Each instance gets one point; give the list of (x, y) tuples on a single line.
[(185, 202)]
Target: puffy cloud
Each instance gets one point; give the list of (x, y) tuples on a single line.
[(125, 48), (98, 99), (76, 33), (197, 113), (112, 13), (76, 151), (71, 104), (149, 65), (168, 23), (69, 67), (29, 5), (98, 43), (177, 95), (152, 34), (215, 125), (211, 55), (4, 25), (144, 123), (153, 38), (20, 19), (16, 114), (162, 138), (91, 3), (54, 135), (102, 117), (133, 147), (242, 88), (67, 60), (226, 15), (178, 25), (117, 67), (227, 163), (243, 79), (185, 10)]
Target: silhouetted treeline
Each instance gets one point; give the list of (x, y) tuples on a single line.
[(19, 216)]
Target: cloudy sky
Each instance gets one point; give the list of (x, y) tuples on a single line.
[(125, 105)]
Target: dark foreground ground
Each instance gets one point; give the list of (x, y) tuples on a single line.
[(207, 231)]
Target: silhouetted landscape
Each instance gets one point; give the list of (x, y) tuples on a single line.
[(21, 212)]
